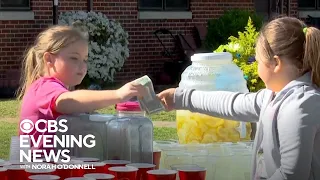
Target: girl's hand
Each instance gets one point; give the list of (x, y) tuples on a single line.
[(167, 97), (130, 90)]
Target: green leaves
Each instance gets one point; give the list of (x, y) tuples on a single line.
[(229, 24), (243, 50)]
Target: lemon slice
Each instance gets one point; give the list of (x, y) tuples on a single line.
[(214, 123), (222, 132), (231, 124), (209, 138)]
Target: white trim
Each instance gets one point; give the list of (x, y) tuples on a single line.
[(305, 13), (16, 15), (164, 15)]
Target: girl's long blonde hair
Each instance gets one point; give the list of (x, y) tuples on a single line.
[(290, 37), (51, 40)]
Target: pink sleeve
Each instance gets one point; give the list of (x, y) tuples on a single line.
[(47, 94)]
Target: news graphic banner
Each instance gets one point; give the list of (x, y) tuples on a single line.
[(39, 142)]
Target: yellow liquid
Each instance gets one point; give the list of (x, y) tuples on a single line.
[(204, 129)]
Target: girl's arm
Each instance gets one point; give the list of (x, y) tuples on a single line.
[(81, 101), (299, 137), (228, 105)]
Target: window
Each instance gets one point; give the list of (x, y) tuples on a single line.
[(15, 4), (164, 5), (309, 4)]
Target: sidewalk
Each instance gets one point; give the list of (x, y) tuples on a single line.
[(171, 124)]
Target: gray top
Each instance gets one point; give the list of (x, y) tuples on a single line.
[(288, 130)]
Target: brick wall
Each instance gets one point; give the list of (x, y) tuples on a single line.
[(145, 50), (294, 8)]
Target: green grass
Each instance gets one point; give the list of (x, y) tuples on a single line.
[(9, 110), (7, 130)]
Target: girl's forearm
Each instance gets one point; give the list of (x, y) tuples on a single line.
[(82, 101)]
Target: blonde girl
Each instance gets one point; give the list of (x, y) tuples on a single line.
[(56, 61)]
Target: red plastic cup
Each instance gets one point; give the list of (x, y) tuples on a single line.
[(42, 177), (162, 174), (64, 173), (3, 173), (115, 163), (41, 169), (86, 159), (156, 158), (192, 173), (142, 169), (16, 172), (31, 172), (96, 167), (124, 173), (78, 178), (99, 176)]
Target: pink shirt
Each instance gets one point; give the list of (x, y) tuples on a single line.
[(39, 103)]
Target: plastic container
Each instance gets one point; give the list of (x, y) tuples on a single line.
[(131, 135), (129, 108), (211, 72), (88, 124)]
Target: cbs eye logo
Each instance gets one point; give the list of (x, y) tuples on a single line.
[(26, 126)]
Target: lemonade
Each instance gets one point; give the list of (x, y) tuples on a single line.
[(211, 72), (204, 129)]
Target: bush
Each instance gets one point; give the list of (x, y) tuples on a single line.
[(243, 51), (108, 45), (229, 24)]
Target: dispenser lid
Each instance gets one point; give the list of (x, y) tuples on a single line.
[(212, 56), (128, 106)]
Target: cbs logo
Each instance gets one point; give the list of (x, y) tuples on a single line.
[(52, 126)]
